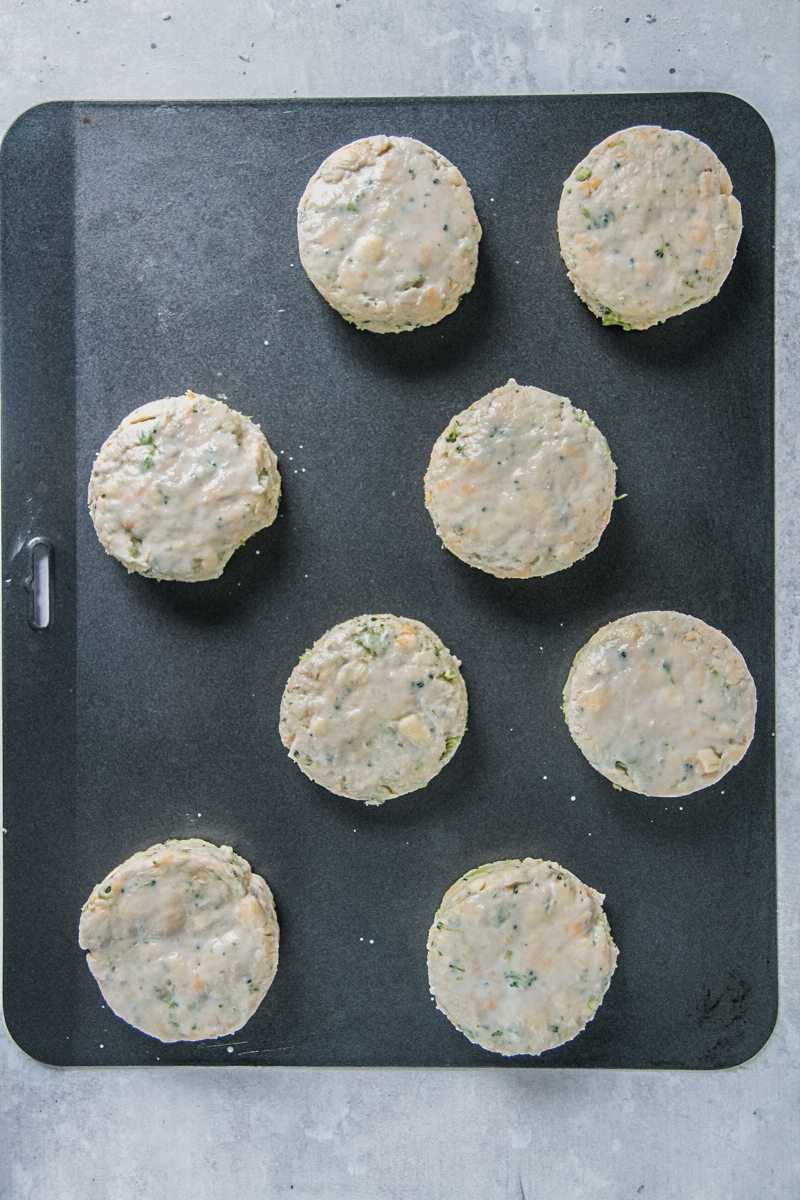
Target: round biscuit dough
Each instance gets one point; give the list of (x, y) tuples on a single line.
[(520, 483), (182, 939), (375, 708), (180, 485), (660, 703), (388, 234), (648, 226), (520, 955)]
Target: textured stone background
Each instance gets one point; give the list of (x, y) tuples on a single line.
[(111, 1134)]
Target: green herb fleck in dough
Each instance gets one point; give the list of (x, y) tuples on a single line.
[(612, 318), (515, 980), (450, 745)]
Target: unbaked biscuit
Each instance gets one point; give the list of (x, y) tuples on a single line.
[(660, 703), (648, 226), (520, 483), (182, 939), (520, 955), (375, 708), (388, 233), (179, 485)]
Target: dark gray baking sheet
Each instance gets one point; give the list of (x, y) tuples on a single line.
[(149, 248)]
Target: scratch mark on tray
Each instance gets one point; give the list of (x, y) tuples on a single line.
[(270, 1050), (304, 157), (20, 539)]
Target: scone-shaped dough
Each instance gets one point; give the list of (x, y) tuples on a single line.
[(375, 708), (182, 939), (388, 234), (520, 955), (660, 703), (180, 485), (648, 226), (520, 483)]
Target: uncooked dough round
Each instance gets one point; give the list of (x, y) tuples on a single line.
[(179, 485), (388, 233), (182, 939), (520, 955), (648, 226), (660, 703), (520, 483), (375, 708)]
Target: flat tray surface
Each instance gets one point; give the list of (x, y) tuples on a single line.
[(149, 248)]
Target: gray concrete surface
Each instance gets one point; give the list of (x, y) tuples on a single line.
[(111, 1134)]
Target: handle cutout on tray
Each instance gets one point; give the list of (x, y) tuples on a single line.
[(40, 583)]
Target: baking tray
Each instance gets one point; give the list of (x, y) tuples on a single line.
[(148, 248)]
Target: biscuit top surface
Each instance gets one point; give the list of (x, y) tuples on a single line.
[(648, 225), (375, 708), (180, 484), (660, 703), (520, 955), (388, 233), (182, 939), (521, 483)]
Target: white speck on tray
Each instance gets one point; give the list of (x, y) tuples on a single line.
[(230, 1049), (372, 941), (102, 1047), (258, 551), (266, 343), (361, 939), (544, 777), (572, 798)]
